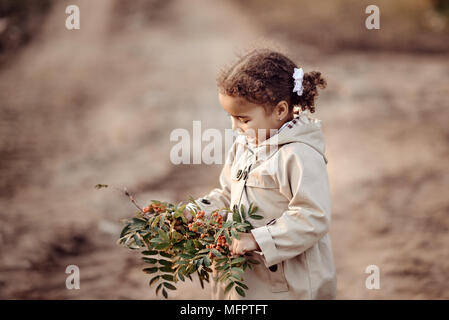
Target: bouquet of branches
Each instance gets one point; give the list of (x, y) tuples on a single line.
[(175, 249)]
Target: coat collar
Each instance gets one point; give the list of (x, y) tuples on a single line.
[(302, 128)]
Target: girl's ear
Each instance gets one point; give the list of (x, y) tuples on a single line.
[(281, 110)]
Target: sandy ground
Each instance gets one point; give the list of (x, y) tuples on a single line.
[(97, 106)]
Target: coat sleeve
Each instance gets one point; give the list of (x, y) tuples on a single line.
[(304, 181), (220, 197)]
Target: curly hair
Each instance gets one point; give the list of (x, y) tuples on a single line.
[(264, 77)]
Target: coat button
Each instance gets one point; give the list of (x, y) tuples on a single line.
[(239, 173), (273, 268), (205, 201)]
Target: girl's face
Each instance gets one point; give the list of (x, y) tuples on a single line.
[(252, 119)]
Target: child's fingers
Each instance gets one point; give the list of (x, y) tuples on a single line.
[(235, 249), (188, 215), (231, 246), (177, 225)]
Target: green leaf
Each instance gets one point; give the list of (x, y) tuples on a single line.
[(155, 221), (124, 231), (186, 255), (235, 215), (236, 277), (182, 270), (240, 291), (138, 241), (154, 280), (169, 286), (162, 245), (168, 277), (219, 233), (242, 211), (201, 280), (216, 253), (158, 288), (207, 269), (167, 269), (162, 221), (227, 224), (253, 261), (165, 262), (151, 270), (198, 262), (149, 260), (234, 234), (163, 235), (220, 260), (138, 222), (244, 286), (238, 260), (253, 209), (229, 287), (197, 243), (250, 209), (176, 236), (189, 243), (181, 277), (205, 274), (164, 293), (219, 267), (256, 217), (237, 270), (165, 254), (223, 277), (207, 261), (228, 239), (179, 245), (240, 228), (150, 252)]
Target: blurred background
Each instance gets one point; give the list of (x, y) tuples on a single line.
[(97, 105)]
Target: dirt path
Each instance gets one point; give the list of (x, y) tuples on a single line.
[(97, 106), (123, 89)]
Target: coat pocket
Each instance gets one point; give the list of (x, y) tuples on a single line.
[(273, 276), (277, 278)]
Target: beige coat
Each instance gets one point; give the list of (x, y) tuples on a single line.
[(287, 179)]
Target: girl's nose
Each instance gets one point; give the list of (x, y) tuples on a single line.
[(235, 127)]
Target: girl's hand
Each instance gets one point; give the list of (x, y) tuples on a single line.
[(245, 243), (188, 216)]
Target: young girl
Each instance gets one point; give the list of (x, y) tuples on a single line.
[(277, 163)]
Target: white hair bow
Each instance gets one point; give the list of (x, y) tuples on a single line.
[(298, 75)]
